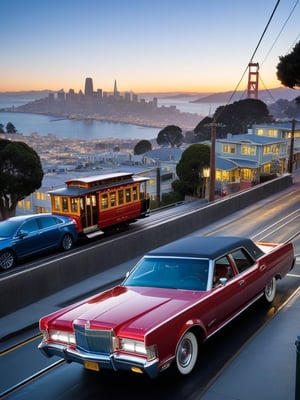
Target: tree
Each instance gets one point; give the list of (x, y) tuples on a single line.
[(21, 174), (170, 135), (2, 128), (288, 68), (235, 118), (202, 130), (10, 128), (142, 147), (189, 169)]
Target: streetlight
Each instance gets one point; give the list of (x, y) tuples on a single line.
[(205, 173)]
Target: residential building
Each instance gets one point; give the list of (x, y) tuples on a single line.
[(253, 157)]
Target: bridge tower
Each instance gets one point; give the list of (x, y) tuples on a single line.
[(253, 80)]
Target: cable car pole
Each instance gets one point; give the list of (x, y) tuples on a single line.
[(291, 158), (212, 174)]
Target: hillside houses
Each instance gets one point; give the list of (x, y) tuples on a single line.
[(241, 162)]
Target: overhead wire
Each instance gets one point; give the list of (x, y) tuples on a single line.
[(280, 32), (271, 48), (256, 48), (293, 44)]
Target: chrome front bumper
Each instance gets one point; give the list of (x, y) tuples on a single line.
[(114, 361)]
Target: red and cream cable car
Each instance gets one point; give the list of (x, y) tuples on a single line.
[(102, 202)]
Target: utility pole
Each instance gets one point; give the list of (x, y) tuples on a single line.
[(212, 167), (291, 158), (158, 185), (212, 175)]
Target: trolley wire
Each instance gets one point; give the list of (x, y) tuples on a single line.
[(280, 32), (256, 48)]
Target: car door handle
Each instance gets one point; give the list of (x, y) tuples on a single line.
[(242, 282), (262, 267)]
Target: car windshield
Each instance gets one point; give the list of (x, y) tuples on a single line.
[(175, 273), (8, 228)]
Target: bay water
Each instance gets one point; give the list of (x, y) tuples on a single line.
[(28, 124), (75, 129)]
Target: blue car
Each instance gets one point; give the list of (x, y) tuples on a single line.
[(28, 235)]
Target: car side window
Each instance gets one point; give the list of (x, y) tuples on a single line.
[(47, 222), (242, 260), (29, 226), (222, 269)]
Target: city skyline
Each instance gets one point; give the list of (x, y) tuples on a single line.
[(162, 46)]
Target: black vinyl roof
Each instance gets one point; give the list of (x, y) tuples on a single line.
[(210, 247)]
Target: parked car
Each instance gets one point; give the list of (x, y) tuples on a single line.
[(175, 298), (27, 235)]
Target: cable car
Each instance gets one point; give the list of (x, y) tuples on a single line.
[(103, 202)]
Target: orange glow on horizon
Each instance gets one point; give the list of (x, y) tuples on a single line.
[(128, 87)]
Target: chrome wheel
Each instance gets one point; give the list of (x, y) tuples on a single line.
[(7, 259), (270, 290), (186, 353)]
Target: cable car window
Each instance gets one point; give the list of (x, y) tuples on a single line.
[(56, 203), (81, 203), (113, 199), (65, 205), (128, 195), (121, 196), (134, 193), (104, 201), (74, 205)]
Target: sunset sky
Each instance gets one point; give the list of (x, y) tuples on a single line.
[(146, 46)]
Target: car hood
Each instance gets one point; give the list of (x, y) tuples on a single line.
[(136, 309)]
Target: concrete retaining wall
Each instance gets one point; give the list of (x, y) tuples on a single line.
[(33, 284)]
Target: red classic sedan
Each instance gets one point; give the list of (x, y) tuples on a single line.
[(176, 297)]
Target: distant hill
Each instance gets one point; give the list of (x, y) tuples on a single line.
[(267, 96), (30, 93), (22, 97), (175, 95)]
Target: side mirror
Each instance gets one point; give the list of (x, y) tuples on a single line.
[(223, 281), (22, 234)]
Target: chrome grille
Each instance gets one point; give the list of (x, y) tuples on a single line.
[(93, 340)]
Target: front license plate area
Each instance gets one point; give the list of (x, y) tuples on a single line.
[(91, 365)]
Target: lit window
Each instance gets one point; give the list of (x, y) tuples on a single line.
[(104, 201), (65, 205), (134, 193), (128, 195), (56, 203), (113, 199), (74, 204), (249, 150), (229, 148)]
